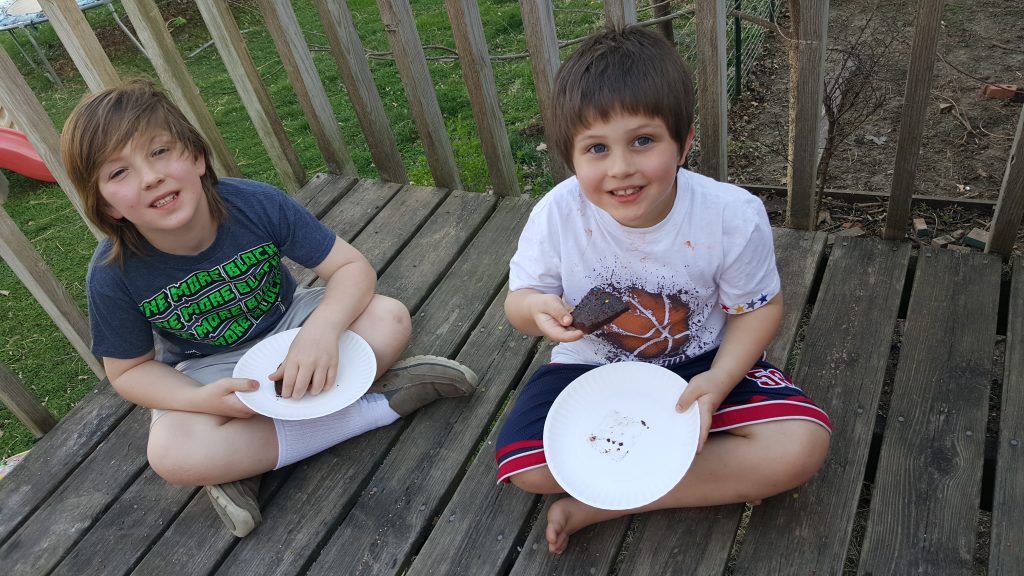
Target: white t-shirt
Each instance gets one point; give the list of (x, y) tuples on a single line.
[(712, 255)]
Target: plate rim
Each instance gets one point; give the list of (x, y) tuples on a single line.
[(689, 452)]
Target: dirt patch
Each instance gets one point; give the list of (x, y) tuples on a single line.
[(967, 137)]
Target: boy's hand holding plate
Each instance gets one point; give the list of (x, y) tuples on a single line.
[(356, 368)]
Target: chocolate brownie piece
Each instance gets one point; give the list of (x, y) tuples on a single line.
[(597, 308)]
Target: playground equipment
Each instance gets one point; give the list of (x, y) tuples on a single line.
[(17, 154)]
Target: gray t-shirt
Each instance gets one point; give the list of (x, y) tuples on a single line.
[(226, 296)]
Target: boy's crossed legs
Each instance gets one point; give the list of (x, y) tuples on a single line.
[(210, 450), (768, 438)]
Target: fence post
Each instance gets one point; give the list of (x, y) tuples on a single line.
[(298, 63), (483, 94), (711, 88), (32, 120), (170, 67), (620, 13), (80, 41), (19, 400), (362, 91), (1011, 198), (419, 89), (804, 133), (253, 93), (542, 44), (661, 9), (915, 109)]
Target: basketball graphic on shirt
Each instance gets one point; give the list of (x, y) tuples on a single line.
[(655, 325)]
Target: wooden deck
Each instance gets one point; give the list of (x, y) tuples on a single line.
[(917, 357)]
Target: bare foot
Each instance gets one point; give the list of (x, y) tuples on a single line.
[(568, 516)]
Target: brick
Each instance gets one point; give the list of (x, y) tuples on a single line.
[(976, 238), (1010, 92), (943, 241), (958, 248), (921, 229)]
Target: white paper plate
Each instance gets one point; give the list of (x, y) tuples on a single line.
[(356, 368), (613, 438)]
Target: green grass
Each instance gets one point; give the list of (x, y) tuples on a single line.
[(34, 348)]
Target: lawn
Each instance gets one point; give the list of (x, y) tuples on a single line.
[(32, 346)]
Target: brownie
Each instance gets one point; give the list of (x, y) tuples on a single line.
[(279, 384), (597, 308)]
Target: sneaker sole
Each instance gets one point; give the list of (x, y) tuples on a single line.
[(238, 520)]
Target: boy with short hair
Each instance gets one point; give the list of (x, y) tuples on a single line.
[(695, 262), (190, 277)]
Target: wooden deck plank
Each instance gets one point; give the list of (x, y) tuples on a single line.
[(842, 366), (797, 255), (1007, 553), (483, 522), (324, 191), (447, 317), (302, 536), (436, 247), (397, 223), (387, 523), (137, 519), (925, 501), (592, 551), (57, 455), (41, 543)]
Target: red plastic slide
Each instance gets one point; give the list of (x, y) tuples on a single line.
[(17, 153)]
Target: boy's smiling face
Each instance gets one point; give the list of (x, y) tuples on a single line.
[(154, 183), (626, 166)]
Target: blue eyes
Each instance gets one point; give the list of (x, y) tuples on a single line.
[(638, 142)]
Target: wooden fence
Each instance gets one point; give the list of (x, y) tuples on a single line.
[(397, 18)]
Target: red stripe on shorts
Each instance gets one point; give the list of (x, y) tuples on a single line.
[(521, 445), (517, 464), (742, 415)]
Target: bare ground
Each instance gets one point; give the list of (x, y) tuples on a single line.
[(967, 136)]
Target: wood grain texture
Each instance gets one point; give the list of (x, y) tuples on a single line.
[(620, 13), (913, 115), (127, 530), (712, 97), (361, 89), (151, 28), (17, 398), (41, 543), (57, 455), (482, 524), (801, 203), (399, 221), (30, 117), (591, 551), (842, 366), (798, 255), (436, 247), (1007, 219), (542, 44), (253, 93), (925, 501), (1007, 549), (475, 62), (412, 486), (288, 37), (80, 41), (419, 90)]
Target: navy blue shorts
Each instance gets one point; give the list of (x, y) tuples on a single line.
[(765, 394)]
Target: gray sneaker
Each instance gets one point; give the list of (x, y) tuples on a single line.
[(415, 382), (236, 504)]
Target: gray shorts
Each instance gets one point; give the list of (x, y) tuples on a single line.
[(216, 366)]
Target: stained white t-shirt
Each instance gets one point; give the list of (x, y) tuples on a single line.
[(712, 255)]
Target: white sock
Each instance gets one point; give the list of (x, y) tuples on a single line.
[(300, 439)]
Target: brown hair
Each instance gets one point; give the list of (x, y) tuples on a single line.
[(105, 122), (630, 70)]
